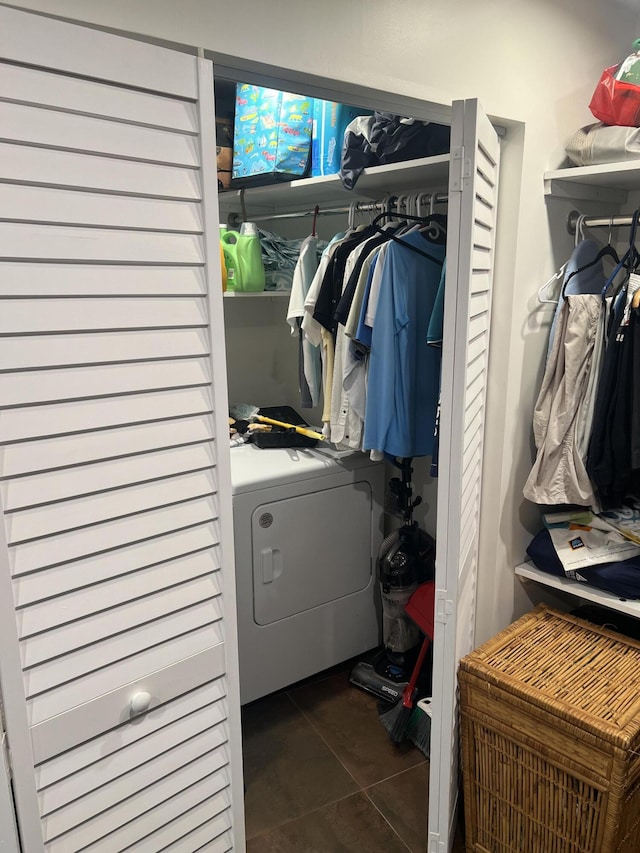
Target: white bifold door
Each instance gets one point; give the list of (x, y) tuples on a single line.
[(118, 651), (471, 226), (118, 656)]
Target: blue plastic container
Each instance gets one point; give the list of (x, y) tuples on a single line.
[(330, 120), (272, 134)]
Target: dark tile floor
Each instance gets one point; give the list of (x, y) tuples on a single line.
[(322, 776)]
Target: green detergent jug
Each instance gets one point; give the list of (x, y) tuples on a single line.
[(229, 243), (249, 257)]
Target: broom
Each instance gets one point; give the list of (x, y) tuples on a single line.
[(419, 727), (398, 719)]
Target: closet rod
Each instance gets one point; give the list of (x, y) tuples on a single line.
[(620, 220), (235, 219)]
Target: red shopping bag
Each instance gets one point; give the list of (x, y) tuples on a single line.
[(616, 102)]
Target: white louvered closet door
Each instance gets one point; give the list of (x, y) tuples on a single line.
[(473, 189), (116, 553)]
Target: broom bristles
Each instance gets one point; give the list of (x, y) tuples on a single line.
[(419, 730), (396, 720)]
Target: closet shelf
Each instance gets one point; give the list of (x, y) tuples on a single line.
[(610, 182), (374, 183), (529, 572)]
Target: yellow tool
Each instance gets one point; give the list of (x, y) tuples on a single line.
[(299, 429)]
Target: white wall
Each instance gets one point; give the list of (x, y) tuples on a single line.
[(535, 61)]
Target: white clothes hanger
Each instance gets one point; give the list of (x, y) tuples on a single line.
[(579, 235), (542, 293), (351, 218)]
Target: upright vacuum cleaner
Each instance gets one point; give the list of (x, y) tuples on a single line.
[(406, 559)]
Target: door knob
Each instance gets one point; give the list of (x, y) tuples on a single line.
[(140, 703)]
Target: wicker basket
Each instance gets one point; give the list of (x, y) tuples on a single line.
[(550, 713)]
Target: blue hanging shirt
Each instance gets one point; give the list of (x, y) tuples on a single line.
[(404, 371)]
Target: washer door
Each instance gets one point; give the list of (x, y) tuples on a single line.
[(310, 549)]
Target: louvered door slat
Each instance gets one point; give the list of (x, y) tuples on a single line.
[(97, 635), (65, 207), (128, 791), (125, 588), (49, 167), (52, 420), (39, 586), (43, 553), (175, 804), (51, 242), (83, 448), (115, 495), (39, 489), (192, 830), (72, 94), (34, 126), (59, 350), (73, 514), (96, 775), (25, 279), (46, 43), (44, 316), (28, 388)]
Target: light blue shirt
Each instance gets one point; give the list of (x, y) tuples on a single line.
[(404, 371)]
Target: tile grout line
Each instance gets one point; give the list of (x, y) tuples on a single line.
[(387, 821), (395, 775), (361, 787), (325, 742), (306, 814)]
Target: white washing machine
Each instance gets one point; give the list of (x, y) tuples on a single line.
[(307, 527)]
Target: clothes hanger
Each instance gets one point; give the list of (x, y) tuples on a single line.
[(388, 213), (579, 235), (634, 259), (435, 229), (606, 252), (557, 276), (629, 260), (351, 218)]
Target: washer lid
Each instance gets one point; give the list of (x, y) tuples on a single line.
[(253, 468)]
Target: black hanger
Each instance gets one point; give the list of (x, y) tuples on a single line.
[(607, 252), (632, 255), (630, 260), (422, 219)]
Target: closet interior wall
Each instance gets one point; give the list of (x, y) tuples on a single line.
[(262, 355)]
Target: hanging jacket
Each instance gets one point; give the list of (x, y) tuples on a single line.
[(558, 475)]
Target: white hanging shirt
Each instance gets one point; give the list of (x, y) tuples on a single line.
[(346, 421), (303, 276)]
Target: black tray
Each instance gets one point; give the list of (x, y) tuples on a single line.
[(279, 436)]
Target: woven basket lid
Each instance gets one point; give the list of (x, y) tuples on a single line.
[(584, 674)]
